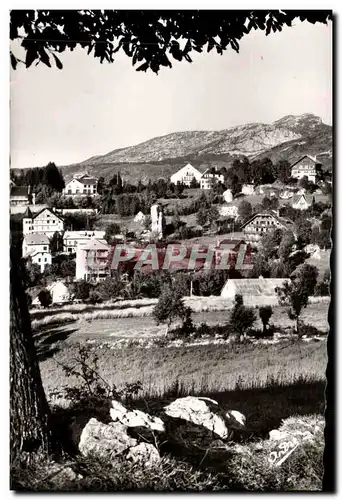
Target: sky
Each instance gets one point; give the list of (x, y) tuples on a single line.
[(89, 108)]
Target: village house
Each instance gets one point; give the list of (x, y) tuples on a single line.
[(85, 185), (37, 247), (60, 294), (247, 189), (21, 195), (255, 291), (92, 260), (185, 175), (229, 210), (307, 166), (227, 195), (45, 222), (302, 201), (72, 239), (264, 223), (35, 243), (209, 177)]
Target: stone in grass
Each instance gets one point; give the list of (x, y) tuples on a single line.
[(145, 454), (108, 441), (135, 418), (206, 413), (105, 441)]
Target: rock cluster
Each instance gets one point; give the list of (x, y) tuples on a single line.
[(135, 435)]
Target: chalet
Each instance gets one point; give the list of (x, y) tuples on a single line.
[(255, 291), (84, 185), (45, 222), (227, 196), (59, 293), (92, 260), (186, 175), (264, 223), (302, 201), (72, 239), (307, 166), (209, 177), (21, 195)]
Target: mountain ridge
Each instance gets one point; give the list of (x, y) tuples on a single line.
[(287, 138)]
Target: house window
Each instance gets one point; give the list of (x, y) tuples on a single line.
[(69, 249), (44, 248), (69, 191), (39, 259), (45, 259)]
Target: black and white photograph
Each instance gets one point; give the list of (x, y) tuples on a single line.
[(171, 209)]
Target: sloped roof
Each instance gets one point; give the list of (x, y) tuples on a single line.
[(282, 220), (94, 244), (36, 239), (308, 198), (256, 286), (20, 191), (51, 212), (306, 156)]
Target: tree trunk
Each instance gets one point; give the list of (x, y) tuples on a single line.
[(29, 412)]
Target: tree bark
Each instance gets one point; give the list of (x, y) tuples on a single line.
[(29, 412)]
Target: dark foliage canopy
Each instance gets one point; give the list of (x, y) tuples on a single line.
[(151, 38)]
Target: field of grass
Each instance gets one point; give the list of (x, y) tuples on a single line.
[(136, 315), (199, 369)]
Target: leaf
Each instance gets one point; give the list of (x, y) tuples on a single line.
[(143, 67), (44, 58), (58, 62), (31, 55), (14, 61)]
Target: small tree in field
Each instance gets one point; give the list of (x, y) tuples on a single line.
[(45, 298), (265, 313), (242, 317), (170, 306), (296, 295)]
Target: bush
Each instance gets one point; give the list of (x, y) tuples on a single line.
[(242, 318), (45, 298)]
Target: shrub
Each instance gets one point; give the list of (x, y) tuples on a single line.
[(45, 298), (242, 317), (265, 313)]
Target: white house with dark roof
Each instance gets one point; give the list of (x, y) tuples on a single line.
[(302, 201), (37, 247), (44, 222), (307, 166), (84, 185), (185, 175), (209, 177)]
